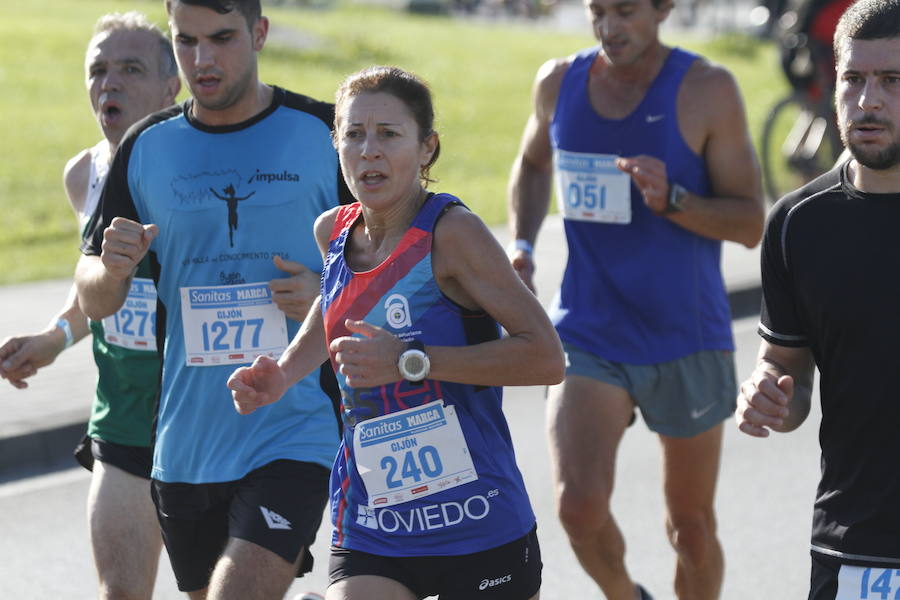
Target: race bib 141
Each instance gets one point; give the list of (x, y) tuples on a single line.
[(868, 583)]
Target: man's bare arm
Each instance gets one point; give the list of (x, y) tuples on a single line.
[(778, 394), (103, 281), (735, 211), (528, 192), (22, 355), (717, 130), (99, 294)]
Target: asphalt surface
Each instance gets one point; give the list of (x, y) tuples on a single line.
[(764, 497)]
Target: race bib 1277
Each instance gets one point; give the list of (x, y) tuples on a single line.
[(231, 324)]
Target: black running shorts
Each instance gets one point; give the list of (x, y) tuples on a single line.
[(278, 506), (137, 460), (508, 572)]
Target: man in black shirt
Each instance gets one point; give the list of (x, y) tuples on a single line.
[(830, 260)]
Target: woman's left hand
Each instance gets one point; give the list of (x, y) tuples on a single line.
[(370, 360)]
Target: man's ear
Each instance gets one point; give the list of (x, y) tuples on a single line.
[(260, 32), (173, 86)]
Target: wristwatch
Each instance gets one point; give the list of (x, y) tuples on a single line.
[(675, 201), (413, 363)]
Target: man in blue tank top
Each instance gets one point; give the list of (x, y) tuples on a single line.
[(221, 193), (651, 175)]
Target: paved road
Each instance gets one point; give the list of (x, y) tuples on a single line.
[(764, 500)]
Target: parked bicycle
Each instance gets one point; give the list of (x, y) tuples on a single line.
[(800, 139)]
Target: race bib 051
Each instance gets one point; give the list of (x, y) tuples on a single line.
[(591, 188)]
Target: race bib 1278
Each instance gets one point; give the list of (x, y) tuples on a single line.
[(134, 325)]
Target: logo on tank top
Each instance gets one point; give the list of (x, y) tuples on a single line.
[(427, 517), (397, 311)]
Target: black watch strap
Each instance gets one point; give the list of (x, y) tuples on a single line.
[(415, 345), (675, 199)]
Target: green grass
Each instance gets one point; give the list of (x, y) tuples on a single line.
[(481, 75)]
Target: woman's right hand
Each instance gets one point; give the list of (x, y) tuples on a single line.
[(260, 384)]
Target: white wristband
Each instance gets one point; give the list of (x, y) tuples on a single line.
[(67, 331), (520, 244)]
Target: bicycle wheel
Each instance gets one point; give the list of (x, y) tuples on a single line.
[(799, 143)]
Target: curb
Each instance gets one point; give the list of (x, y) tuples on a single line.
[(40, 452), (745, 302)]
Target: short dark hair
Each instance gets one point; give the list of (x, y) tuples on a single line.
[(135, 21), (867, 20), (250, 9), (404, 86)]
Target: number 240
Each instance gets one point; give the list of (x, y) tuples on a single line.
[(429, 462)]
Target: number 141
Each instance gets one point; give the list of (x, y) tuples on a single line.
[(877, 581)]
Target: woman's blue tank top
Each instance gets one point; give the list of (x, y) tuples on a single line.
[(413, 498)]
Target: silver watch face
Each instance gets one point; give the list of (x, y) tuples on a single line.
[(414, 365), (677, 196)]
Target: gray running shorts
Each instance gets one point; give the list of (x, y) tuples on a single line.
[(679, 398)]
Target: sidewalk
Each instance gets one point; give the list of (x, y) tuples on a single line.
[(40, 426)]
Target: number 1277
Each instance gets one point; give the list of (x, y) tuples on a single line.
[(218, 332)]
